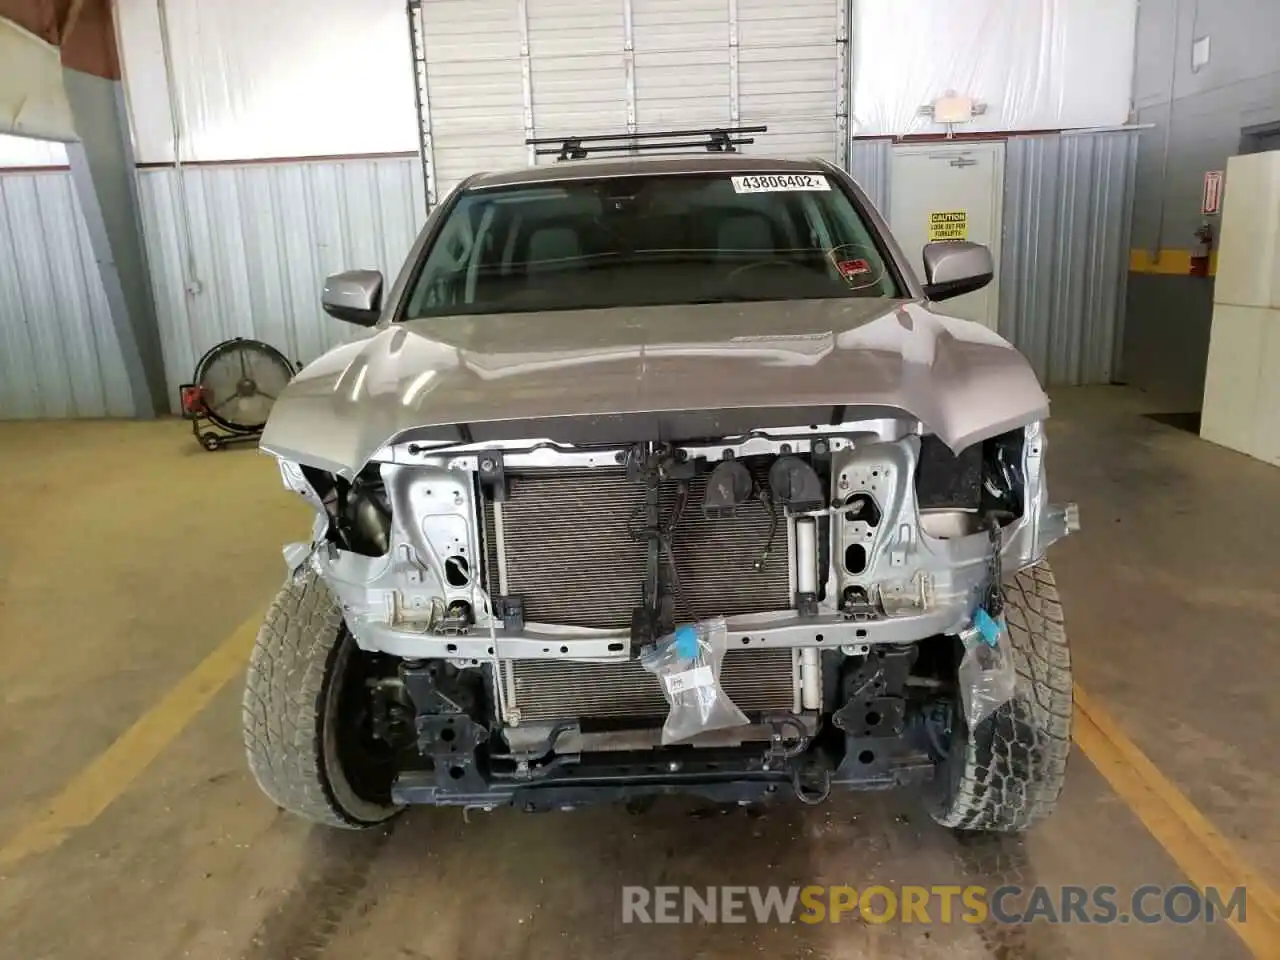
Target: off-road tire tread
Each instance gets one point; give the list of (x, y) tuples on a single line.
[(284, 698), (1015, 762)]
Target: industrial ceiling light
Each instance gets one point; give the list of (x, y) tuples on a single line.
[(950, 109)]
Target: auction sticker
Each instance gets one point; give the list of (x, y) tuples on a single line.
[(853, 268), (779, 182)]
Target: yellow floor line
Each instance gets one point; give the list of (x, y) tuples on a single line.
[(1200, 850), (95, 787)]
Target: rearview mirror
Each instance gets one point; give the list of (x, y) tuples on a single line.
[(354, 296), (953, 267)]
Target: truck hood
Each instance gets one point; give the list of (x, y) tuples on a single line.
[(473, 374)]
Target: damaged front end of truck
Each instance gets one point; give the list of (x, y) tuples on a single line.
[(508, 580)]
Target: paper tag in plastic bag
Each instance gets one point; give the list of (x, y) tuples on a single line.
[(987, 676), (689, 679), (691, 685)]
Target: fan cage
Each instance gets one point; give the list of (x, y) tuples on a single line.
[(240, 347)]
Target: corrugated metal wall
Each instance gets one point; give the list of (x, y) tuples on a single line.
[(869, 163), (1065, 260), (265, 236), (58, 351)]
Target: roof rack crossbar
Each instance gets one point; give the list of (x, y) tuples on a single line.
[(572, 151), (717, 140)]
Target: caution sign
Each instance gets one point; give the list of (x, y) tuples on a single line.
[(948, 225)]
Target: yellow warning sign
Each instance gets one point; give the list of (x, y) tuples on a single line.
[(949, 225)]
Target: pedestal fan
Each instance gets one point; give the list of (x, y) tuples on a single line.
[(232, 391)]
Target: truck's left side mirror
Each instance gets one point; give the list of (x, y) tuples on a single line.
[(953, 267), (354, 296)]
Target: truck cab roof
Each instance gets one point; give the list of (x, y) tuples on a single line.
[(728, 163)]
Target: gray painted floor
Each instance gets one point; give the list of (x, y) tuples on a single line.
[(133, 554)]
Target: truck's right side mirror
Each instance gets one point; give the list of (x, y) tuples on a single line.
[(354, 296), (953, 267)]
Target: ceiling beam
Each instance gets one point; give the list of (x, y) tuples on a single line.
[(70, 20)]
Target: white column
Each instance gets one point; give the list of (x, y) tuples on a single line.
[(1242, 384)]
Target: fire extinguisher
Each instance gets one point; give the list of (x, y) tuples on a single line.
[(1200, 252)]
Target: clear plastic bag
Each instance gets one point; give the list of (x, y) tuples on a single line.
[(687, 664), (987, 677)]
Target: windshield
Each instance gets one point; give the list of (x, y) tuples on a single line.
[(650, 240)]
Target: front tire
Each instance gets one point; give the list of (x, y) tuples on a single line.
[(1007, 773), (305, 713)]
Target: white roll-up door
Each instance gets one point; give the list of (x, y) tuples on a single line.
[(683, 76), (471, 94), (576, 66), (791, 74), (498, 71)]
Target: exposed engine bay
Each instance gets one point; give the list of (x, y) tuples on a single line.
[(510, 589)]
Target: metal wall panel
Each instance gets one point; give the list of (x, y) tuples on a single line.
[(1170, 316), (265, 237), (58, 351), (1065, 260), (870, 162)]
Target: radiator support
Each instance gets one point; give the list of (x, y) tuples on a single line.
[(759, 681), (569, 542)]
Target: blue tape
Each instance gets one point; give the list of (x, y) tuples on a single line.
[(987, 626), (686, 642)]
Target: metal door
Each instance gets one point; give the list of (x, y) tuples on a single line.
[(950, 191)]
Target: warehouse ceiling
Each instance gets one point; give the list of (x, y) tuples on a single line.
[(80, 28), (38, 39)]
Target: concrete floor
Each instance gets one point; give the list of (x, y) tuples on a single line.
[(127, 554)]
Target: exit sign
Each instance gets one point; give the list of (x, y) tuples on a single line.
[(1212, 200)]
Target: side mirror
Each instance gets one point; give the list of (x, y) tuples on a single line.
[(953, 267), (354, 296)]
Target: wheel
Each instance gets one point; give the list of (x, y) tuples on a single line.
[(307, 716), (210, 442), (1007, 774)]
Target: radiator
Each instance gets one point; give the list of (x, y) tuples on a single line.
[(758, 681), (571, 550)]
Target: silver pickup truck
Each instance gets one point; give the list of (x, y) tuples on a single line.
[(608, 400)]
